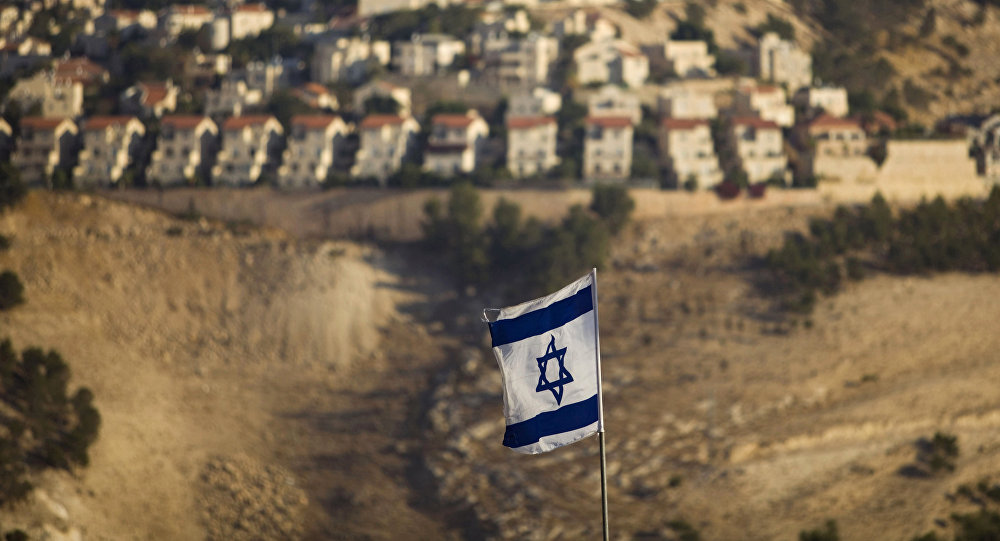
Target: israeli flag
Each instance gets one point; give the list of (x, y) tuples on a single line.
[(549, 358)]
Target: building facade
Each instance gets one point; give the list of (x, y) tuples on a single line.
[(759, 148), (686, 148), (607, 148), (456, 143), (45, 145), (385, 142), (110, 145), (611, 61), (314, 142), (251, 147), (185, 151), (531, 145)]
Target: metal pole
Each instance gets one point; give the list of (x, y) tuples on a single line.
[(604, 486), (600, 412)]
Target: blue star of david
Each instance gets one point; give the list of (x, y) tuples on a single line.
[(564, 376)]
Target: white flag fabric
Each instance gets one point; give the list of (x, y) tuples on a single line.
[(549, 361)]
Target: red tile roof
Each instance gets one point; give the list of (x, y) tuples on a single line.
[(189, 9), (182, 122), (452, 120), (683, 123), (610, 121), (315, 88), (252, 8), (314, 122), (525, 122), (754, 122), (41, 123), (830, 121), (103, 122), (80, 69), (153, 93), (377, 121), (240, 122)]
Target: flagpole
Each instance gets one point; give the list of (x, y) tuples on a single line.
[(600, 411)]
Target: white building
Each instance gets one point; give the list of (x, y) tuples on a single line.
[(759, 148), (6, 139), (185, 151), (539, 102), (766, 101), (531, 145), (686, 148), (386, 140), (523, 63), (455, 143), (782, 62), (44, 145), (584, 23), (685, 58), (180, 17), (614, 101), (348, 59), (382, 89), (249, 20), (369, 8), (607, 148), (684, 103), (250, 147), (835, 149), (313, 144), (611, 61), (830, 99), (232, 98), (110, 144), (268, 77), (316, 96), (59, 97), (426, 54)]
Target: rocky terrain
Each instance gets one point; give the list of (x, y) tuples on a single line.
[(255, 385)]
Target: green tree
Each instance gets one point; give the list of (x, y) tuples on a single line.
[(11, 290), (827, 533), (12, 190), (613, 204)]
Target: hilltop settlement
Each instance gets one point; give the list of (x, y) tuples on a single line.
[(408, 93)]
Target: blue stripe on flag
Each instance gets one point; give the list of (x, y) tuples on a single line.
[(543, 320), (564, 419)]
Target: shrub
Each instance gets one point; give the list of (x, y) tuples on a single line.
[(827, 533), (12, 190), (613, 204), (11, 290)]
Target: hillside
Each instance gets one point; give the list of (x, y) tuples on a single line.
[(929, 58), (256, 384)]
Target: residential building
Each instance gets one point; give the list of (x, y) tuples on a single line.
[(268, 77), (496, 28), (45, 145), (232, 98), (758, 147), (251, 146), (683, 58), (782, 62), (683, 103), (384, 90), (830, 99), (314, 141), (385, 141), (82, 70), (581, 22), (455, 143), (316, 96), (607, 148), (6, 139), (22, 55), (152, 99), (348, 59), (686, 148), (369, 8), (531, 145), (523, 62), (614, 101), (110, 144), (987, 149), (180, 17), (125, 21), (58, 97), (185, 151), (835, 149), (540, 101), (426, 54), (611, 61), (769, 102), (249, 20)]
